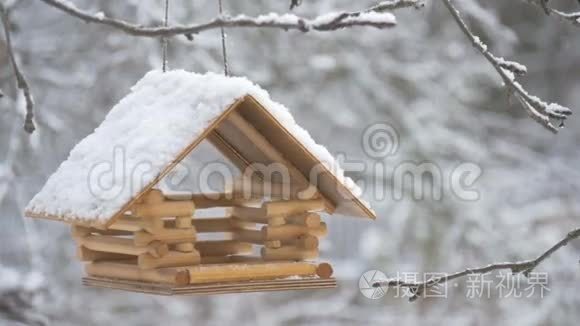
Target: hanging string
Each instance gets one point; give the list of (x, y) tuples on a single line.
[(224, 51), (164, 39)]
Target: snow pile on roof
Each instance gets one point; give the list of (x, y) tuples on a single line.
[(143, 134)]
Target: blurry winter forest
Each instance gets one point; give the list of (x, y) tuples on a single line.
[(423, 77)]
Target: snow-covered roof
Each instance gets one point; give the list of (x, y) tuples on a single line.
[(163, 118)]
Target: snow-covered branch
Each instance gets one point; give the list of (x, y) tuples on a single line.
[(20, 79), (571, 17), (327, 22), (536, 108), (524, 267)]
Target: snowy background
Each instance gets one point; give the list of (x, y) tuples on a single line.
[(422, 77)]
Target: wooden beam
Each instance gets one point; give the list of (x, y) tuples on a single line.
[(276, 209), (222, 247), (171, 259), (256, 271), (171, 236), (132, 272), (292, 231), (288, 253), (304, 241), (123, 246), (306, 219), (210, 200), (274, 155)]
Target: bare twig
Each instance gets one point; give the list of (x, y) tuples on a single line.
[(20, 79), (323, 23), (397, 4), (524, 267), (571, 17), (537, 109)]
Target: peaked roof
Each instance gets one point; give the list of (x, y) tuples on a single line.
[(163, 119)]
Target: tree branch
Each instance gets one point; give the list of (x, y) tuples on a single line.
[(537, 109), (372, 17), (571, 17), (523, 267), (20, 79)]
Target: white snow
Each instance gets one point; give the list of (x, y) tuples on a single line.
[(100, 15), (143, 134)]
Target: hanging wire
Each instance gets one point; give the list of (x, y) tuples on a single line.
[(164, 39), (224, 51)]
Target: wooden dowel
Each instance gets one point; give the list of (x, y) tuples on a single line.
[(134, 273), (324, 270), (123, 246), (171, 259), (277, 209), (292, 231), (288, 253), (184, 247), (154, 196), (183, 222), (307, 219), (164, 209), (142, 238), (222, 247), (273, 244), (86, 254), (243, 271), (304, 241)]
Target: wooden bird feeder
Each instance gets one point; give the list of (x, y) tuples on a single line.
[(152, 242)]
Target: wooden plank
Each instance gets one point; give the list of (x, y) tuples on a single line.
[(170, 236), (222, 247), (212, 288), (238, 272), (288, 253), (123, 246), (292, 231), (171, 259), (133, 272)]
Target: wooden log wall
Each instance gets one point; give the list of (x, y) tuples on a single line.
[(160, 233)]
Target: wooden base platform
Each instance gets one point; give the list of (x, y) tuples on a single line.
[(212, 288)]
